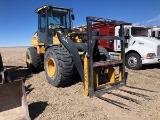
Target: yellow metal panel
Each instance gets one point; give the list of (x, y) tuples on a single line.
[(34, 42), (41, 8), (39, 46), (55, 37), (120, 57), (56, 40), (77, 40), (86, 80), (95, 77), (120, 73), (80, 53), (120, 67), (40, 49), (111, 74)]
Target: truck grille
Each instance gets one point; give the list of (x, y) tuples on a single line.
[(158, 51)]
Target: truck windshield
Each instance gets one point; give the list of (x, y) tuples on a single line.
[(139, 31), (59, 18)]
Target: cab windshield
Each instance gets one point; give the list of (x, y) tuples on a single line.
[(59, 18), (139, 31)]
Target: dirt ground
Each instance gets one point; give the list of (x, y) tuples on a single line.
[(47, 102)]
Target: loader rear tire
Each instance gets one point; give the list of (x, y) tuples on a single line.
[(58, 66), (1, 63), (33, 60)]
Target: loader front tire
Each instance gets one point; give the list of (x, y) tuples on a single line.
[(58, 66), (33, 60)]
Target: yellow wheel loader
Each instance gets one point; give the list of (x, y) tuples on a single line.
[(47, 51), (13, 105), (58, 49)]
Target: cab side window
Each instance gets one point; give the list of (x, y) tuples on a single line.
[(42, 22), (153, 34)]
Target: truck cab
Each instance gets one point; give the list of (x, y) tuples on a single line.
[(139, 48), (154, 33)]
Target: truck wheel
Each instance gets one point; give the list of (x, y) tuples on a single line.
[(58, 66), (133, 61), (104, 54), (1, 63), (33, 60)]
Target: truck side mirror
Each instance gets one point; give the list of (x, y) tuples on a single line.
[(126, 33), (72, 17)]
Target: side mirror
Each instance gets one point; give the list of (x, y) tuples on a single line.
[(126, 37), (72, 17), (126, 33)]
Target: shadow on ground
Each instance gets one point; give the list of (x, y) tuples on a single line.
[(28, 88), (36, 108), (75, 79), (152, 66)]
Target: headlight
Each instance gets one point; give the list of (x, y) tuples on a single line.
[(150, 55)]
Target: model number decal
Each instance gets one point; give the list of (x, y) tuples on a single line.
[(64, 39)]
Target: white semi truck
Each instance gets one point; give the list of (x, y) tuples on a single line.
[(140, 49)]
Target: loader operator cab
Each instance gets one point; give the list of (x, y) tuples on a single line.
[(52, 19)]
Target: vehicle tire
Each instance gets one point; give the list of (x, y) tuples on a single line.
[(104, 54), (1, 63), (58, 66), (133, 61), (33, 60)]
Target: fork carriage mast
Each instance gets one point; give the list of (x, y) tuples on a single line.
[(91, 77)]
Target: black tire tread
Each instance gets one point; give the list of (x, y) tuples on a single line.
[(64, 66), (139, 66), (35, 60)]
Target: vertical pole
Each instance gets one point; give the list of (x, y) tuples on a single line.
[(86, 81), (90, 55), (123, 52)]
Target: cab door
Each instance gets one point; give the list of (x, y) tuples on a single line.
[(117, 43), (43, 28)]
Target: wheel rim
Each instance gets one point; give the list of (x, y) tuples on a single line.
[(132, 61), (51, 67), (28, 59)]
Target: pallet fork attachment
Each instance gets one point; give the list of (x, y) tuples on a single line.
[(91, 68)]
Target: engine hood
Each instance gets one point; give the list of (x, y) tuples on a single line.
[(145, 41)]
